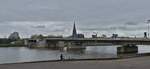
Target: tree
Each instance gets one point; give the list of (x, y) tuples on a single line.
[(14, 36), (36, 36)]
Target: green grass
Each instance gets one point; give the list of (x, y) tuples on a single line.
[(11, 45)]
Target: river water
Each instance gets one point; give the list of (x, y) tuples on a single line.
[(23, 54)]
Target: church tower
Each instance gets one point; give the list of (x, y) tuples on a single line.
[(74, 33)]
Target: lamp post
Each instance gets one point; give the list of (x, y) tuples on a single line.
[(148, 21), (95, 33)]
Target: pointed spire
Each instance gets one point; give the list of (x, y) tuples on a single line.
[(74, 33)]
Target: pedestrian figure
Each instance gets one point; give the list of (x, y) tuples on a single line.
[(61, 57)]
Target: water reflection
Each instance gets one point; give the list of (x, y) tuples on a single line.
[(143, 48), (22, 54)]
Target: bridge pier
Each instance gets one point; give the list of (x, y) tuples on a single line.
[(72, 45), (55, 44), (36, 43), (128, 48), (65, 44), (31, 43)]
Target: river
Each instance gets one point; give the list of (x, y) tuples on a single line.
[(23, 54)]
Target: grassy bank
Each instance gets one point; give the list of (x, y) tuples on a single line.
[(11, 45)]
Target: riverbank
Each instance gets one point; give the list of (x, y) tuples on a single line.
[(132, 63), (121, 56), (12, 45)]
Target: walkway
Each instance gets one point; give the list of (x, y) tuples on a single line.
[(131, 63)]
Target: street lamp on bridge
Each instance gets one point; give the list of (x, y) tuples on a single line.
[(148, 21)]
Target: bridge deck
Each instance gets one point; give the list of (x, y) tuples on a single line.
[(115, 41), (98, 39)]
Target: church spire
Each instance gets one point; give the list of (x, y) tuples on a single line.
[(74, 33)]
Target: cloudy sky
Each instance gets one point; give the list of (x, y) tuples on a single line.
[(55, 17)]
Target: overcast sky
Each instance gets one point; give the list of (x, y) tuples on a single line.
[(125, 17)]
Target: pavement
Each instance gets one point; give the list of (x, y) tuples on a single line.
[(130, 63)]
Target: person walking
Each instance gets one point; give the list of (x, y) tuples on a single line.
[(61, 57)]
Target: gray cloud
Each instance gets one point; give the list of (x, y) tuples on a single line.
[(131, 23), (39, 26), (56, 16)]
